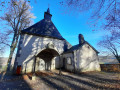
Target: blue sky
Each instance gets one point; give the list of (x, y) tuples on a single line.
[(69, 23)]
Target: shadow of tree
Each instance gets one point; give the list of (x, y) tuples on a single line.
[(76, 82), (50, 83), (13, 82), (91, 84), (68, 83), (99, 79)]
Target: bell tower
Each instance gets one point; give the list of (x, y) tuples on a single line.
[(47, 15)]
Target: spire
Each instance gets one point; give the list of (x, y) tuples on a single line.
[(47, 14), (48, 10)]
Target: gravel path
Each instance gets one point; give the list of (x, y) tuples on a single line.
[(67, 81)]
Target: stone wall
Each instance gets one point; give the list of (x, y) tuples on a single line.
[(69, 67), (110, 67), (30, 45), (86, 59), (83, 59)]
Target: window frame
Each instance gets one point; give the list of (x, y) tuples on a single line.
[(69, 60)]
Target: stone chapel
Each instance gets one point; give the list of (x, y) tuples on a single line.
[(42, 47)]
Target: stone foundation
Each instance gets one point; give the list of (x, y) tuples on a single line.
[(110, 67)]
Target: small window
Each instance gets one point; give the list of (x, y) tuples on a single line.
[(69, 61), (88, 47)]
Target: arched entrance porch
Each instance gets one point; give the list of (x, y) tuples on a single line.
[(45, 59)]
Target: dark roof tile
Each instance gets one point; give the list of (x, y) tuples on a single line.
[(76, 47), (44, 28)]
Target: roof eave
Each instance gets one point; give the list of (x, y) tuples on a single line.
[(42, 35), (92, 47)]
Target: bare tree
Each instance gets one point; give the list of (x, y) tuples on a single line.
[(106, 10), (4, 41), (110, 44), (106, 14), (17, 17)]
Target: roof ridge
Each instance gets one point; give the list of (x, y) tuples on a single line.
[(43, 28)]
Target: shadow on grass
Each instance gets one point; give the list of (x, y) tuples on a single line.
[(99, 79), (64, 81), (13, 82), (51, 83)]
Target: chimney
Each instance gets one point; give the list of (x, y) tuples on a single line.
[(47, 15), (81, 39)]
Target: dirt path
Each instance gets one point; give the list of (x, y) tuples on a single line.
[(67, 81)]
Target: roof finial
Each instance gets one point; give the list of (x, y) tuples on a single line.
[(48, 5), (48, 10), (47, 14)]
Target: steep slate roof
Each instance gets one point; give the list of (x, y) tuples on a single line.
[(44, 28), (76, 47)]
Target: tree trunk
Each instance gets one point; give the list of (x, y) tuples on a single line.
[(10, 59), (74, 62), (118, 58), (12, 49), (10, 55), (34, 65), (60, 65)]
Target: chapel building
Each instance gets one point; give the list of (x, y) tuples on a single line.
[(42, 47)]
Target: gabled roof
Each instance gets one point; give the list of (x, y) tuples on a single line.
[(76, 47), (92, 47), (44, 28)]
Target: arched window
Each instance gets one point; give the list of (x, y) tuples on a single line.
[(69, 60)]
